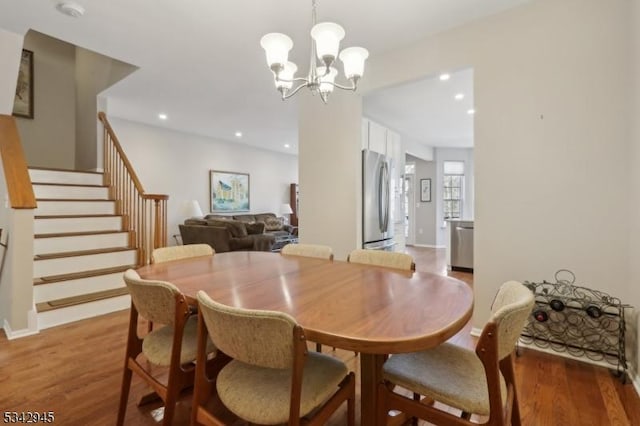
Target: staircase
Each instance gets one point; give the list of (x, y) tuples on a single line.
[(81, 248)]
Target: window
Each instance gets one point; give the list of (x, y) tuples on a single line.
[(452, 191)]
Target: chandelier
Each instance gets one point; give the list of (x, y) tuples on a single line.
[(325, 45)]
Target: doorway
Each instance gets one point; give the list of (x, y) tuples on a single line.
[(408, 191)]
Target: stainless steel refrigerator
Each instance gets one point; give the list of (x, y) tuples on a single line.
[(377, 225)]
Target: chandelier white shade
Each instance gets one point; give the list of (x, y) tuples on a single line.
[(325, 45), (277, 47), (353, 60), (327, 37)]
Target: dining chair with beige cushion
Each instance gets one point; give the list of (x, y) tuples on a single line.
[(478, 382), (308, 250), (173, 345), (388, 259), (272, 378), (166, 254)]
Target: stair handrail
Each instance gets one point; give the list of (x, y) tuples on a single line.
[(144, 215), (14, 164)]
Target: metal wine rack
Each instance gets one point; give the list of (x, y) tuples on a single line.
[(577, 320)]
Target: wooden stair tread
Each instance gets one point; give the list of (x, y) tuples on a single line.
[(77, 300), (45, 256), (80, 185), (77, 234), (76, 199), (52, 169), (79, 275), (74, 216)]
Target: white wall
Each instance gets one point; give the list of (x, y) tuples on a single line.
[(417, 149), (178, 164), (634, 166), (551, 138), (16, 291), (49, 138), (425, 212)]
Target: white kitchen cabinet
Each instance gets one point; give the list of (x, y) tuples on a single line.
[(377, 138), (365, 134)]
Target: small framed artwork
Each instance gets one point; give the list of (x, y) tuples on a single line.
[(229, 191), (425, 190), (23, 102)]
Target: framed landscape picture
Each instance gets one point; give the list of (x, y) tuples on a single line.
[(425, 190), (23, 102), (229, 191)]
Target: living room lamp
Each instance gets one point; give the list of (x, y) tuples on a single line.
[(285, 209), (192, 209), (325, 45)]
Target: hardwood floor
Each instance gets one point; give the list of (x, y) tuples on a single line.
[(75, 371)]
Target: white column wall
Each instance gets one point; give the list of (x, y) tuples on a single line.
[(634, 213), (551, 139), (330, 169), (16, 279)]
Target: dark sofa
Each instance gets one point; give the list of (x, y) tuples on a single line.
[(227, 236), (272, 224)]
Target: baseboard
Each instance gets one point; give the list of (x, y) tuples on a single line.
[(32, 327), (636, 383), (426, 246)]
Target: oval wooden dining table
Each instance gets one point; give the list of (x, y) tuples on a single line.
[(371, 310)]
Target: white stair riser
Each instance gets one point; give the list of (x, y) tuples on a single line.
[(77, 224), (53, 208), (71, 192), (80, 242), (71, 288), (69, 265), (86, 310), (54, 176)]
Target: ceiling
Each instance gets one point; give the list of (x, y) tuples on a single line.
[(200, 61), (427, 111)]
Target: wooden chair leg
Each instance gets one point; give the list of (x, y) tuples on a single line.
[(414, 420), (124, 395)]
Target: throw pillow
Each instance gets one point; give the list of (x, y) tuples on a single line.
[(236, 228), (255, 228), (273, 224)]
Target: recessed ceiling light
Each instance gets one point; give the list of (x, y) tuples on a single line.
[(238, 134), (444, 77), (162, 116), (471, 111), (459, 96), (70, 8), (286, 145)]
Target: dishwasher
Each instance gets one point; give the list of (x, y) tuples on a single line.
[(461, 240)]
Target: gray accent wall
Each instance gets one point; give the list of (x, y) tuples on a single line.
[(49, 139)]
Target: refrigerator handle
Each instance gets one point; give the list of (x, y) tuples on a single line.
[(380, 189), (387, 194)]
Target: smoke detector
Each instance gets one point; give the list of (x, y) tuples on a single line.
[(70, 8)]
